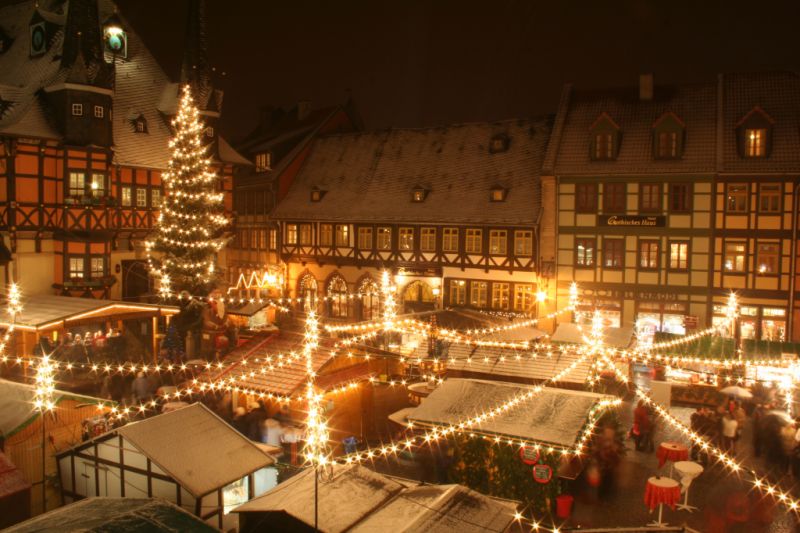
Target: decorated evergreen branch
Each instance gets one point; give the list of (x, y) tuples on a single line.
[(182, 253)]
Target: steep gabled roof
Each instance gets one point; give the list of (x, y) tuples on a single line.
[(370, 176)]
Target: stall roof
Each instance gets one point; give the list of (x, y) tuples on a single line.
[(16, 405), (46, 311), (554, 416), (505, 363), (115, 514), (11, 479), (196, 448), (616, 337), (355, 498)]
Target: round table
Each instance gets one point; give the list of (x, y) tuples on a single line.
[(660, 491), (671, 451), (687, 470)]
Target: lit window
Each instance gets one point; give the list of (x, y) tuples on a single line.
[(418, 195), (406, 241), (337, 294), (498, 194), (427, 239), (77, 183), (613, 253), (263, 161), (523, 243), (98, 267), (76, 268), (474, 242), (768, 258), (736, 198), (342, 235), (77, 110), (325, 235), (523, 297), (273, 239), (585, 252), (478, 293), (155, 198), (648, 255), (678, 255), (262, 239), (127, 197), (769, 198), (141, 126), (755, 142), (291, 234), (497, 241), (500, 295), (305, 234), (254, 239), (450, 240), (317, 194), (98, 185), (141, 197), (99, 111), (365, 238), (499, 143), (458, 292), (384, 238), (735, 259)]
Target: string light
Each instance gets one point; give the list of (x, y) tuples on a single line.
[(316, 428)]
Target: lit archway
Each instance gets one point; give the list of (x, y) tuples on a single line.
[(307, 290), (369, 295), (337, 296)]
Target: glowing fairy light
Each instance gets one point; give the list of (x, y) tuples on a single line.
[(316, 428), (44, 385)]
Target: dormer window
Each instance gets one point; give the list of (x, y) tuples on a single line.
[(263, 161), (418, 194), (99, 111), (668, 133), (77, 110), (754, 133), (604, 139), (317, 194), (498, 194), (755, 142), (138, 122), (499, 143), (141, 126)]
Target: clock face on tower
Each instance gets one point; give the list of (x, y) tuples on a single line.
[(38, 39)]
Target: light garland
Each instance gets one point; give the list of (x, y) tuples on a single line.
[(315, 450), (44, 385)]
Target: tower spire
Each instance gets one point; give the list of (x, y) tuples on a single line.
[(195, 69)]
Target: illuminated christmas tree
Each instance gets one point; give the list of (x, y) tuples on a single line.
[(182, 253)]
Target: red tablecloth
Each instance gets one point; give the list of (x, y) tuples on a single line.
[(661, 490), (671, 451)]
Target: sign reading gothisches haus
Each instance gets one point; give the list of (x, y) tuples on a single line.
[(651, 221)]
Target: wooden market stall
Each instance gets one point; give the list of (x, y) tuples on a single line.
[(189, 457)]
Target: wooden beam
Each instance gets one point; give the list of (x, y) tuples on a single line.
[(122, 468)]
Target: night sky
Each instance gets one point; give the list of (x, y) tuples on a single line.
[(428, 62)]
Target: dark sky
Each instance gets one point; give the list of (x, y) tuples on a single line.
[(427, 62)]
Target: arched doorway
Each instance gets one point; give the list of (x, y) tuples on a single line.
[(370, 298), (418, 296), (337, 297), (307, 290)]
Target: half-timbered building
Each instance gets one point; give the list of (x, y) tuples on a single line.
[(451, 211), (660, 201), (84, 124)]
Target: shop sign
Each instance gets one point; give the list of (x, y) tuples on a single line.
[(648, 221), (542, 473), (529, 455), (690, 321)]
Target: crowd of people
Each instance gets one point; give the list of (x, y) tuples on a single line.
[(82, 346)]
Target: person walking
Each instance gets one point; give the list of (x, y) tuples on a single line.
[(642, 427), (140, 388), (729, 432)]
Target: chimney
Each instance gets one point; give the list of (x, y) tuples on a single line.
[(646, 86), (303, 109)]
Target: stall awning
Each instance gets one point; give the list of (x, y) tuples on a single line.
[(42, 312), (616, 337)]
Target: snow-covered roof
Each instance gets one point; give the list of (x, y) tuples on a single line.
[(440, 509), (115, 514), (529, 365), (354, 498), (16, 405), (40, 311), (554, 416), (616, 337), (196, 448)]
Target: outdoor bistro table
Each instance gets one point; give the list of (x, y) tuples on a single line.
[(688, 470), (671, 451), (658, 491)]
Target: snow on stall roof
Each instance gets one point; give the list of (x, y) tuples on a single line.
[(616, 337), (16, 405), (440, 508), (115, 514), (504, 362), (196, 447), (352, 493), (554, 416)]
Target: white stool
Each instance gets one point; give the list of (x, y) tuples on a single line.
[(688, 470)]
